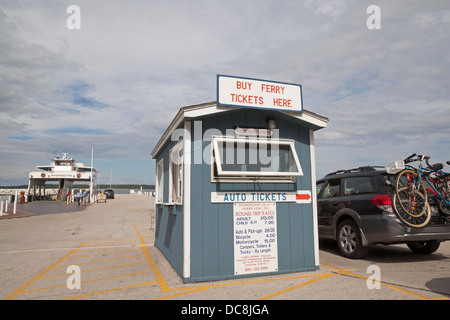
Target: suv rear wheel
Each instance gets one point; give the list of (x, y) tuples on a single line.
[(424, 247), (349, 240)]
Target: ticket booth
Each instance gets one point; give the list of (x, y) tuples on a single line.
[(235, 184)]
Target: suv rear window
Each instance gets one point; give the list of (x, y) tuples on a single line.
[(332, 189), (319, 187), (357, 185), (387, 183)]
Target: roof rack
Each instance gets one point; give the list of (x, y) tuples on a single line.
[(359, 169)]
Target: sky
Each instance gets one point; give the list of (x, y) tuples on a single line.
[(120, 79)]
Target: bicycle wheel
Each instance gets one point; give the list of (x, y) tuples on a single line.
[(411, 193), (414, 221), (444, 208), (443, 186)]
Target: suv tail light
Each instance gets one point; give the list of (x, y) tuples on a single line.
[(383, 201)]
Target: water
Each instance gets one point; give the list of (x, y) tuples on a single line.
[(127, 191)]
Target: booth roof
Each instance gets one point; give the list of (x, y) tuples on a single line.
[(313, 120)]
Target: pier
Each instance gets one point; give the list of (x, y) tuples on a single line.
[(105, 251)]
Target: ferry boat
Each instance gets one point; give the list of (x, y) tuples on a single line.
[(63, 170)]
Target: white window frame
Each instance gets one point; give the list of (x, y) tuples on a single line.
[(176, 190), (251, 176), (159, 186)]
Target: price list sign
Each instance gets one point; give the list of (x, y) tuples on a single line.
[(255, 237)]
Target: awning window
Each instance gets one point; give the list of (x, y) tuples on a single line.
[(255, 158)]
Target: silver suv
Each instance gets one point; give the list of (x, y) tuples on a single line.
[(355, 209)]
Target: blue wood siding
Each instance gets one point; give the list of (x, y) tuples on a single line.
[(212, 243), (169, 220), (212, 246)]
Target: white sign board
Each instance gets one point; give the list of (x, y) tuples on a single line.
[(255, 238), (299, 196), (262, 94)]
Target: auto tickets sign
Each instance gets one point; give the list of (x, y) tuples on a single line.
[(254, 93)]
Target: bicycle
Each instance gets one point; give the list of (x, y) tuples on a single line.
[(410, 202), (439, 181)]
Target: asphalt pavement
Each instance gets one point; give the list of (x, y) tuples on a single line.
[(105, 251)]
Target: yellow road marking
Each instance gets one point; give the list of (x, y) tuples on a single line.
[(111, 290), (318, 278), (99, 261), (162, 283), (98, 248), (88, 281), (381, 283), (109, 240), (96, 269), (179, 291), (182, 293), (82, 246), (197, 289), (26, 285), (296, 287), (101, 254), (165, 288), (106, 243), (40, 276)]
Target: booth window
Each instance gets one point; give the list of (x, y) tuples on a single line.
[(254, 159), (160, 182), (176, 174)]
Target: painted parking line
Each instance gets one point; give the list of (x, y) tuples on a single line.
[(102, 254), (83, 282), (111, 290), (325, 276), (111, 258), (96, 269), (90, 254), (318, 277), (393, 287), (99, 261), (32, 280), (242, 283), (190, 290), (162, 283), (334, 271)]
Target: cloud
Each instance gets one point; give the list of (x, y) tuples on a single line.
[(120, 80)]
